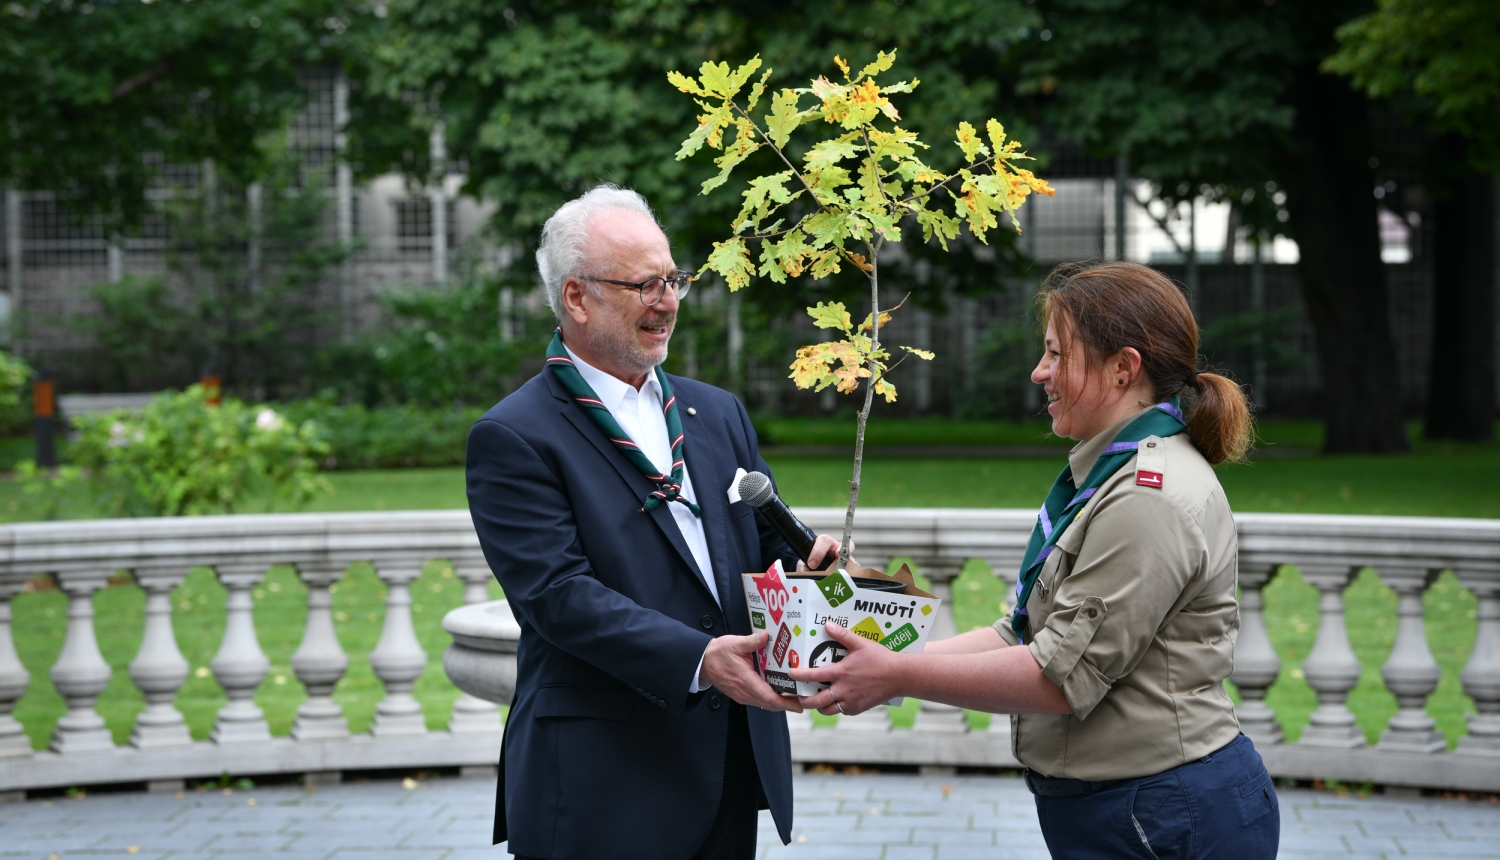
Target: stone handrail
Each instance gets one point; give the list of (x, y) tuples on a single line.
[(81, 557)]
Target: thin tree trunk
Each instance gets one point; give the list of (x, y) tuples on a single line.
[(1461, 373), (864, 413), (1329, 186)]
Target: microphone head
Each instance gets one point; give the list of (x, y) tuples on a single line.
[(755, 489)]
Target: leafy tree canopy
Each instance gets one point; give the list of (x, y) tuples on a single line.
[(545, 99), (1445, 52), (98, 95), (1192, 94)]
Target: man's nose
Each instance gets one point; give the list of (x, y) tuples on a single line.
[(669, 300)]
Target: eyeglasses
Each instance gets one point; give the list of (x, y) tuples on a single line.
[(652, 289)]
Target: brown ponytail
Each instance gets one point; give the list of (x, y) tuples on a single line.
[(1111, 306)]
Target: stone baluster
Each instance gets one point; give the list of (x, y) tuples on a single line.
[(1332, 670), (1481, 677), (80, 673), (240, 666), (1255, 662), (398, 659), (936, 716), (159, 668), (471, 714), (13, 680), (319, 661), (1411, 673)]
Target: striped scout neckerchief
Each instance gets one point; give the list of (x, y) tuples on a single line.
[(1065, 501), (668, 487)]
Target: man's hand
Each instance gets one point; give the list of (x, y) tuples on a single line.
[(866, 677), (729, 666), (825, 546)]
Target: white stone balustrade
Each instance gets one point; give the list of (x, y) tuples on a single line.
[(240, 666), (82, 556), (398, 659), (13, 681), (159, 669), (319, 661), (472, 714), (80, 673), (1255, 662)]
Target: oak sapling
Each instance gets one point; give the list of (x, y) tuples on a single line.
[(852, 189)]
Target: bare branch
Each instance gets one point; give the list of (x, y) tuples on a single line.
[(135, 82), (897, 306), (772, 235), (945, 182), (1161, 222)]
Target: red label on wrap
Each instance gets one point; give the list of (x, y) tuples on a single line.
[(783, 642), (773, 592)]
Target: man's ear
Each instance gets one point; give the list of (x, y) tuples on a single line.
[(572, 300)]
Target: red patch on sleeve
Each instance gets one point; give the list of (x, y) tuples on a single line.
[(1148, 479)]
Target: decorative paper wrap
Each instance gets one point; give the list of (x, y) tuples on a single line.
[(794, 612)]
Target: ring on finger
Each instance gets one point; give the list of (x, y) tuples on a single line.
[(840, 706)]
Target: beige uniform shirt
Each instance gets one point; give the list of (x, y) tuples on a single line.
[(1134, 617)]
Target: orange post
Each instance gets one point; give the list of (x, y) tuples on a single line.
[(44, 407), (43, 399), (210, 383)]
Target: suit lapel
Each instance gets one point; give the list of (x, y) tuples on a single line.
[(709, 458), (635, 482)]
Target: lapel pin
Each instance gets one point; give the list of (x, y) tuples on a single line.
[(692, 411)]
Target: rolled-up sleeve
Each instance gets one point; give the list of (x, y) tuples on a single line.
[(1138, 554), (1006, 631)]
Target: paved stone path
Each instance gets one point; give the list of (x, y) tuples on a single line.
[(861, 817)]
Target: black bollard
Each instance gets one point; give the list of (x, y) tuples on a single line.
[(44, 408)]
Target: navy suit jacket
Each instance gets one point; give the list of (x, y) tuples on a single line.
[(606, 754)]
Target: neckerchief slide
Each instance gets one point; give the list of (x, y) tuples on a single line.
[(1065, 499), (668, 487)]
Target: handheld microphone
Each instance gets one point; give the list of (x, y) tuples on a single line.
[(755, 489)]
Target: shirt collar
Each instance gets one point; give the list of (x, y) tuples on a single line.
[(609, 389), (1085, 454)]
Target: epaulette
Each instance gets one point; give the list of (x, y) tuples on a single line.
[(1151, 462)]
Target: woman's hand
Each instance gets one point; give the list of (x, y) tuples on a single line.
[(824, 547), (867, 676)]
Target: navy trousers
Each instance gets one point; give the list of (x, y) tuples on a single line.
[(1221, 806)]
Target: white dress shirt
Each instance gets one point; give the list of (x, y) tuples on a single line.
[(639, 413)]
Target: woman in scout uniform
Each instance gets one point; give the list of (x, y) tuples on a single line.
[(1114, 660)]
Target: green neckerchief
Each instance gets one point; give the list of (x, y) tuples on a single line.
[(668, 487), (1065, 499)]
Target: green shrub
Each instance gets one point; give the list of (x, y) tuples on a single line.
[(438, 347), (184, 454), (386, 437), (15, 411)]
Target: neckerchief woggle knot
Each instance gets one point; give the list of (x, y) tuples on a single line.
[(668, 487), (1066, 499)]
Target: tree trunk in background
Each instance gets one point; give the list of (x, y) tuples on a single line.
[(1329, 186), (1461, 377)]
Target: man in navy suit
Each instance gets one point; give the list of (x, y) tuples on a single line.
[(640, 727)]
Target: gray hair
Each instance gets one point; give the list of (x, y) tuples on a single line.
[(565, 236)]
